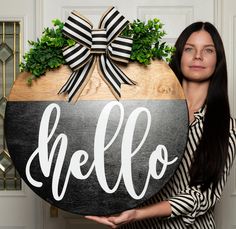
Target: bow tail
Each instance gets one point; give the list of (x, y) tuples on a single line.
[(113, 76), (123, 77), (78, 80)]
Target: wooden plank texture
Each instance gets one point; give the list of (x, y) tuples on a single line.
[(155, 81)]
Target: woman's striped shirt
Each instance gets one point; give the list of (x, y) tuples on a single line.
[(191, 208)]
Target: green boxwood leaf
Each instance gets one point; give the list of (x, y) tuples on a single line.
[(46, 52)]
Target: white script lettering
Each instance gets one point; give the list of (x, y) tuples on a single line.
[(80, 157)]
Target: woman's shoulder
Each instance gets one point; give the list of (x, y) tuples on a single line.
[(232, 140), (232, 129), (232, 123)]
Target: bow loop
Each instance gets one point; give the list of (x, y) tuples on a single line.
[(120, 49), (105, 43), (113, 22), (77, 56), (79, 29)]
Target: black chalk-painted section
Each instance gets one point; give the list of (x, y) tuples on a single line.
[(169, 127)]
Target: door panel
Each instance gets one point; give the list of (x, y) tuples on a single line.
[(175, 14), (13, 201), (225, 210)]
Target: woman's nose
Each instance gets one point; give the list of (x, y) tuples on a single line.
[(198, 54)]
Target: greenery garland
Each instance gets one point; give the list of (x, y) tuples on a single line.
[(46, 52), (147, 43)]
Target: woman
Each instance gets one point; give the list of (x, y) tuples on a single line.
[(188, 200)]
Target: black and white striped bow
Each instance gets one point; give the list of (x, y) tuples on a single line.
[(103, 44)]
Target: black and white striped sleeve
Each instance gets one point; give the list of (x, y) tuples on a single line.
[(191, 202)]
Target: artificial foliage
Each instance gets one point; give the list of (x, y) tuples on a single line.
[(46, 53), (147, 43)]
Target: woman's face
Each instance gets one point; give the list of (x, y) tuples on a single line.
[(199, 57)]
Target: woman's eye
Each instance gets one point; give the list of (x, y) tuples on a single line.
[(209, 50), (188, 49)]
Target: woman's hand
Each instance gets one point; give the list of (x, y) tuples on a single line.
[(161, 209), (115, 221), (101, 219)]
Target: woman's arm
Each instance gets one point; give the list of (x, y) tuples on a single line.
[(161, 209), (189, 203), (192, 202)]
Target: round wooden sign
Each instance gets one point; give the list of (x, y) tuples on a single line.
[(97, 156)]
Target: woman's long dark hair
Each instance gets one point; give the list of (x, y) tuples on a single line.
[(211, 154)]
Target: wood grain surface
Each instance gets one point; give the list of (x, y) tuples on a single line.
[(155, 81)]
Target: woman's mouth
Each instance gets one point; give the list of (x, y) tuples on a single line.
[(197, 67)]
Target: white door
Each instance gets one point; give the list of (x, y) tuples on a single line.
[(18, 208), (25, 209), (225, 210), (175, 14)]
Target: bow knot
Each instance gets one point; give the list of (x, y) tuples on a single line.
[(99, 41), (103, 43)]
